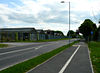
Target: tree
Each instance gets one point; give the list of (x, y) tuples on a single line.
[(59, 32), (97, 34), (71, 33), (86, 28)]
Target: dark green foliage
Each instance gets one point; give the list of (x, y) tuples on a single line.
[(71, 33), (86, 27), (59, 32)]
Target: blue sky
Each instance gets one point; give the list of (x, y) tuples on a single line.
[(47, 14), (8, 2)]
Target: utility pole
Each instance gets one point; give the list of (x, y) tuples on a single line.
[(69, 19), (69, 23)]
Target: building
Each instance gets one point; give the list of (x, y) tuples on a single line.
[(49, 34), (16, 34), (41, 35), (58, 35), (30, 34)]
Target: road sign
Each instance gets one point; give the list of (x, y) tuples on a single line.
[(91, 32)]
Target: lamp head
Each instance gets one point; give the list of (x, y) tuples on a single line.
[(62, 1)]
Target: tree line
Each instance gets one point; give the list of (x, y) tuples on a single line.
[(88, 29)]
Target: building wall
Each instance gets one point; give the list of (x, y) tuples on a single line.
[(28, 35), (20, 36), (33, 36), (50, 36), (0, 36), (41, 37), (8, 36)]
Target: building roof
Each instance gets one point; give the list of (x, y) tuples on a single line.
[(17, 29), (49, 32), (40, 31)]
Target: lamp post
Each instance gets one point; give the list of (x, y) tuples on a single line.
[(69, 18)]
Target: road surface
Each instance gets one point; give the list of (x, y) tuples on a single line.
[(73, 60), (16, 54)]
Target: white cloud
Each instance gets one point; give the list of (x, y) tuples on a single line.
[(47, 14)]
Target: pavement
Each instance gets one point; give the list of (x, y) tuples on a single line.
[(73, 60), (19, 53)]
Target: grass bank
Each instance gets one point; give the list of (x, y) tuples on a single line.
[(48, 40), (29, 64), (3, 45), (95, 55)]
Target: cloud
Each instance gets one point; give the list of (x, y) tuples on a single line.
[(47, 14), (28, 18)]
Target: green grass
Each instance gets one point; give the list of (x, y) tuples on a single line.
[(48, 40), (95, 55), (29, 64), (3, 45)]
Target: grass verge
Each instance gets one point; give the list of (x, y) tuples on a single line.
[(29, 64), (3, 45), (95, 55), (48, 40)]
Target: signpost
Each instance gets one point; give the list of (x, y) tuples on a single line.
[(91, 35)]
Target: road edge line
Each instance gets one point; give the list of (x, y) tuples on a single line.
[(90, 60)]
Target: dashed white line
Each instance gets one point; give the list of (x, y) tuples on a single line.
[(25, 49), (16, 51), (69, 60), (38, 47)]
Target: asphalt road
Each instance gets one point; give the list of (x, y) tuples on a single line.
[(16, 54), (73, 60)]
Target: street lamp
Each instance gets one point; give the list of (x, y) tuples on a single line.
[(69, 18)]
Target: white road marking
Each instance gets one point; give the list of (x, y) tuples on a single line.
[(25, 49), (90, 61), (43, 46), (38, 47), (69, 60), (75, 45), (16, 51)]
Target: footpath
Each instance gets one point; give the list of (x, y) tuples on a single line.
[(72, 60)]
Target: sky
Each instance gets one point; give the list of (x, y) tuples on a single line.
[(48, 14)]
